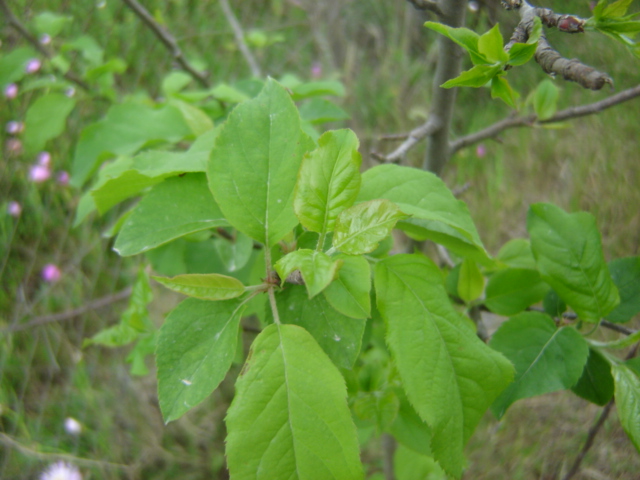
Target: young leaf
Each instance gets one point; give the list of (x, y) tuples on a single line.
[(546, 358), (545, 99), (596, 382), (318, 89), (328, 180), (449, 374), (470, 281), (174, 208), (627, 392), (45, 119), (317, 268), (569, 257), (512, 290), (206, 287), (501, 89), (467, 39), (491, 46), (617, 9), (360, 228), (338, 335), (409, 429), (517, 253), (411, 465), (626, 275), (521, 53), (196, 346), (477, 77), (253, 165), (349, 294), (436, 214), (289, 417), (319, 110)]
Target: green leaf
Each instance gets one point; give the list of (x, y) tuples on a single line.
[(467, 39), (349, 294), (546, 358), (50, 23), (617, 9), (501, 89), (144, 347), (553, 304), (319, 110), (517, 253), (568, 253), (45, 119), (625, 273), (545, 100), (289, 417), (512, 290), (409, 429), (338, 335), (521, 53), (318, 89), (470, 281), (436, 214), (204, 286), (174, 208), (379, 407), (125, 129), (410, 465), (596, 383), (627, 392), (196, 346), (254, 162), (228, 94), (491, 46), (328, 180), (360, 228), (234, 254), (449, 374), (477, 77), (317, 268), (198, 121)]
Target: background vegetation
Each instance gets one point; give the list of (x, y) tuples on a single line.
[(384, 57)]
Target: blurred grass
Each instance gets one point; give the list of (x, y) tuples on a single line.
[(385, 58)]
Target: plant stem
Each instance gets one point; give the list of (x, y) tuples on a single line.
[(271, 284)]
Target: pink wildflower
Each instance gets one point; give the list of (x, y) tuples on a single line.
[(481, 150), (39, 173), (316, 70), (72, 426), (33, 65), (63, 178), (14, 209), (45, 39), (11, 91), (51, 273), (70, 92), (61, 471), (44, 159), (14, 128)]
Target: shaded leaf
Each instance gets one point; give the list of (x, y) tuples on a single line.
[(349, 293), (596, 382), (625, 273), (512, 290), (627, 392), (470, 281)]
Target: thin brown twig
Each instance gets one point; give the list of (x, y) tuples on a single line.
[(13, 21), (168, 41), (595, 428), (427, 5), (70, 314), (432, 124), (532, 120), (239, 35)]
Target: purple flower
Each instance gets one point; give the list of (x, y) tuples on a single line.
[(14, 209), (13, 127), (45, 39), (63, 178), (39, 173), (316, 70), (70, 92), (72, 426), (51, 273), (11, 91), (61, 471), (481, 150), (33, 66), (44, 159)]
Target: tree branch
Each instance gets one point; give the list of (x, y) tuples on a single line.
[(13, 21), (239, 34), (70, 314), (168, 41), (532, 120), (414, 137)]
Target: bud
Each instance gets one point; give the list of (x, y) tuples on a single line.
[(481, 150), (11, 91), (569, 24), (72, 426), (63, 178), (50, 273), (316, 70), (45, 39), (70, 92), (14, 146), (14, 128), (33, 65), (39, 173)]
